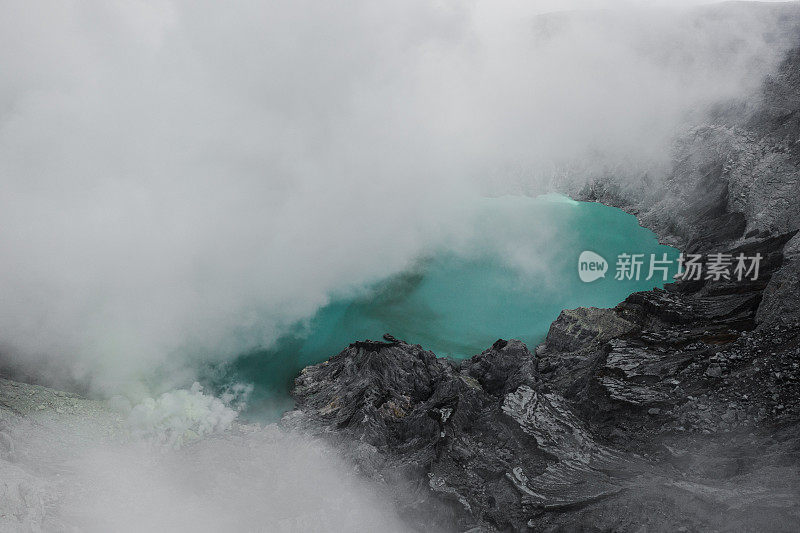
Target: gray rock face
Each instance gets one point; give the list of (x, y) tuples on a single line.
[(674, 411), (425, 424), (585, 326), (622, 412), (733, 183), (670, 423), (733, 177)]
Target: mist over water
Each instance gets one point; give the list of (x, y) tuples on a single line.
[(185, 181), (503, 278)]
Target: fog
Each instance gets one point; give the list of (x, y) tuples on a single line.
[(180, 181), (263, 481), (85, 471)]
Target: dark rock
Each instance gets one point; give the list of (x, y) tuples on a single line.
[(714, 371)]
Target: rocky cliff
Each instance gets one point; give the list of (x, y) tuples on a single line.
[(677, 410)]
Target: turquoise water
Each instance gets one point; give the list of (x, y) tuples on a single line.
[(509, 276)]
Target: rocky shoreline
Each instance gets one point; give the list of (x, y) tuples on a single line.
[(674, 411)]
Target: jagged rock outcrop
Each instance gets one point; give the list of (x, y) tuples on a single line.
[(672, 424), (421, 422), (677, 410)]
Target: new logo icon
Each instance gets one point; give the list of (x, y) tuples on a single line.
[(591, 266)]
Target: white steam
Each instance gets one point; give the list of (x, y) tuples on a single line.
[(180, 416), (181, 180), (264, 480), (78, 468)]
